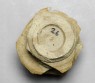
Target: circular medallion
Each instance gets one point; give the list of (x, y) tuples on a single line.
[(50, 37)]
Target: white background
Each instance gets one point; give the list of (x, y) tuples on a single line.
[(15, 14)]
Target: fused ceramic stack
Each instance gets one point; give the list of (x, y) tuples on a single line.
[(50, 43)]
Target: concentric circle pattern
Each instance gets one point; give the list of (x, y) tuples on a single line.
[(50, 41)]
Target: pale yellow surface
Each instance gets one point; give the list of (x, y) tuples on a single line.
[(52, 38)]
